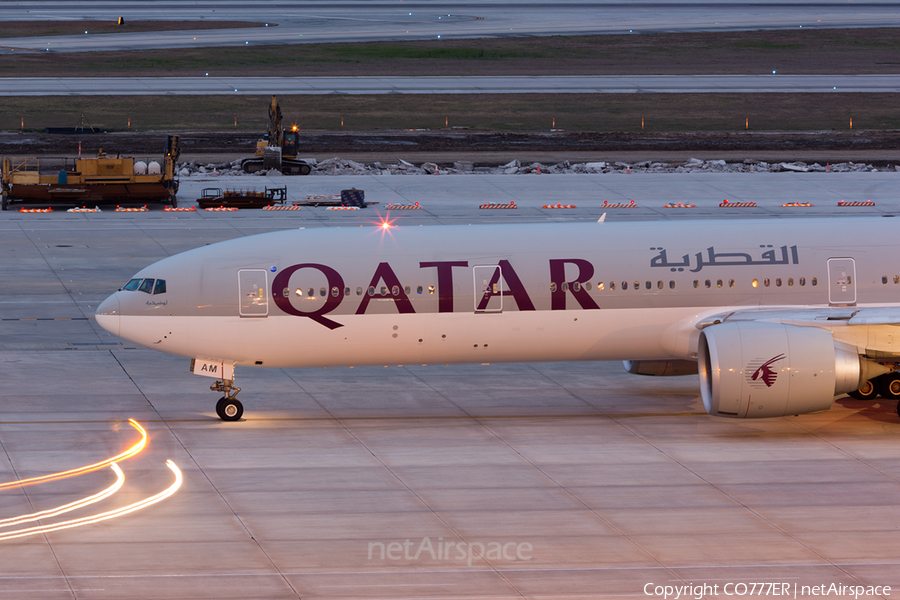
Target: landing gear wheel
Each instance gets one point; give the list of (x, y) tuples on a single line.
[(229, 409), (867, 391), (889, 386)]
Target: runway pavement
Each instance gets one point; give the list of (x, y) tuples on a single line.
[(354, 483), (612, 84), (370, 20)]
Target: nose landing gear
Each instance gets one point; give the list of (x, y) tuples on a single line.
[(229, 408)]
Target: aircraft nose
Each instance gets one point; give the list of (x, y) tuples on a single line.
[(108, 314)]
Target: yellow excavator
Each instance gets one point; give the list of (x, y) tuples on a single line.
[(277, 149)]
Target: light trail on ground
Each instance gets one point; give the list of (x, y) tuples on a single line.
[(53, 512), (104, 515), (87, 468)]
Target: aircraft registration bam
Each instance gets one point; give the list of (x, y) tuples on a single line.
[(778, 317)]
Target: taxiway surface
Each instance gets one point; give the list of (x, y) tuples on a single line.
[(592, 482), (581, 84), (370, 20)]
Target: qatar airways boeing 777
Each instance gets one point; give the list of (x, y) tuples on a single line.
[(777, 316)]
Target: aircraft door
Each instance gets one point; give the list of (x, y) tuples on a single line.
[(253, 289), (488, 288), (841, 281)]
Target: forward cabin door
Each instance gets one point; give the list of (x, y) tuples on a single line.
[(253, 289), (488, 288), (841, 281)]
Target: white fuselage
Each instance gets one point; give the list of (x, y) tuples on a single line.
[(501, 293)]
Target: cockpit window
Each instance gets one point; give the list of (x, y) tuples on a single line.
[(146, 286), (160, 287), (132, 285)]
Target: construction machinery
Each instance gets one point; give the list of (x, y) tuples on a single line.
[(277, 149), (90, 181), (216, 198)]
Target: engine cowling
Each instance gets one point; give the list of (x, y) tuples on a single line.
[(754, 369), (661, 368)]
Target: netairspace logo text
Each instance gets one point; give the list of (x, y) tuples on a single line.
[(441, 550), (769, 589)]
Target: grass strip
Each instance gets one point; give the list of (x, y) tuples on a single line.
[(786, 51), (497, 112), (17, 29)]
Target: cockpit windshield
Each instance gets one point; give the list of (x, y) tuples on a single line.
[(146, 285)]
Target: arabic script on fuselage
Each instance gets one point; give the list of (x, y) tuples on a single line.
[(710, 258)]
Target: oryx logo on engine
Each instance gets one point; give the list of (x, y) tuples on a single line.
[(761, 372)]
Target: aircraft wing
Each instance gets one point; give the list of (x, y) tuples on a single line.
[(821, 316)]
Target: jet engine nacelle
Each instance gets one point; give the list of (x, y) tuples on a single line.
[(661, 368), (754, 369)]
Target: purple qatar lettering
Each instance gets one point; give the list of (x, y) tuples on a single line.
[(514, 288), (444, 281), (282, 280), (558, 275), (385, 273)]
